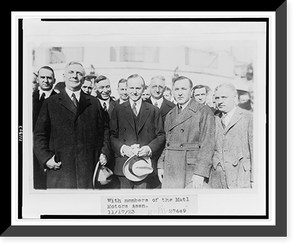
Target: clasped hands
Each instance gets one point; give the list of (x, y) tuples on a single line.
[(135, 149)]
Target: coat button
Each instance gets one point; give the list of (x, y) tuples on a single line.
[(170, 132), (124, 129), (168, 144), (181, 145), (124, 140), (181, 130)]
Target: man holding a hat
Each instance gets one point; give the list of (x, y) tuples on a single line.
[(137, 135)]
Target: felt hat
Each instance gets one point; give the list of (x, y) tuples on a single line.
[(102, 174), (137, 168)]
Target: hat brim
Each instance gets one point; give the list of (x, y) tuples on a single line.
[(127, 168)]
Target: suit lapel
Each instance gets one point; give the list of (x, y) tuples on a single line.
[(238, 113), (128, 114), (144, 113)]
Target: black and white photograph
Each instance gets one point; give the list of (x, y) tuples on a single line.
[(161, 119)]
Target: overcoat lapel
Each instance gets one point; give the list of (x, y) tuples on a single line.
[(144, 113), (185, 114), (66, 101), (84, 102)]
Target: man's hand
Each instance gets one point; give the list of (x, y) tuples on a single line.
[(52, 164), (144, 151), (102, 159), (128, 151), (160, 173), (198, 181)]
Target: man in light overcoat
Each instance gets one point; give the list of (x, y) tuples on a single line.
[(190, 129), (233, 157)]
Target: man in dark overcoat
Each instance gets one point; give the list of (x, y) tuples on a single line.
[(71, 134), (190, 130), (46, 80), (136, 125)]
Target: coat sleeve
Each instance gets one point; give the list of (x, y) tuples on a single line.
[(116, 144), (41, 136), (207, 128), (104, 121), (160, 137)]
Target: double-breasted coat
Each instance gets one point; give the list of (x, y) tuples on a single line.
[(189, 145), (166, 106), (124, 132), (233, 157), (76, 136)]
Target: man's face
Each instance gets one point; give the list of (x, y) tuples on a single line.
[(182, 91), (103, 89), (244, 98), (74, 77), (167, 95), (45, 79), (225, 99), (123, 91), (87, 87), (200, 95), (157, 88), (146, 94), (135, 88)]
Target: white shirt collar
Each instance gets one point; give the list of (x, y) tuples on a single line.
[(70, 92), (159, 101), (138, 104), (229, 115), (184, 105), (47, 92), (104, 101)]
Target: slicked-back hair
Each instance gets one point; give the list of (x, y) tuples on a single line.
[(229, 86), (75, 63), (122, 80), (136, 76), (158, 77), (100, 78), (179, 78), (48, 68)]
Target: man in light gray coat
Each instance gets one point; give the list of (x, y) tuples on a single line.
[(233, 157), (190, 130)]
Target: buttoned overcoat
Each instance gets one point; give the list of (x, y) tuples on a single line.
[(75, 136), (189, 145)]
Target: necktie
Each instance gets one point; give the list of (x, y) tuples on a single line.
[(156, 104), (134, 108), (74, 100), (179, 108), (42, 98), (104, 106), (223, 120)]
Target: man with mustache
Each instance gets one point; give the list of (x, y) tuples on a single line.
[(233, 157), (71, 134)]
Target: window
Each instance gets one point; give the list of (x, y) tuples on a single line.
[(196, 57), (134, 54)]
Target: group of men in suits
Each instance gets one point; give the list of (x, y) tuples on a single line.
[(188, 145)]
